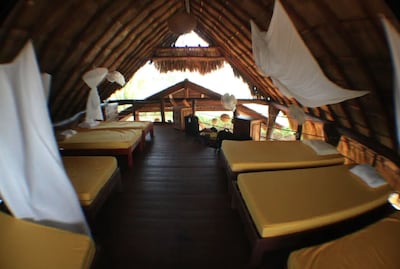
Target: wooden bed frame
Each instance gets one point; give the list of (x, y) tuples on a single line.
[(148, 130), (73, 121), (128, 152), (114, 183), (289, 242), (232, 176)]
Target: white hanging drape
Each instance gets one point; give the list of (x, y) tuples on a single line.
[(33, 182), (281, 54), (93, 108), (115, 76), (93, 104), (46, 80), (393, 38)]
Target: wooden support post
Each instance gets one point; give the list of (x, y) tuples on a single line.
[(162, 109), (134, 111), (272, 114), (299, 130), (193, 107)]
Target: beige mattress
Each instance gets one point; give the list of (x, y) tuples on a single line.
[(375, 246), (103, 139), (89, 174), (245, 156), (122, 125), (289, 201), (28, 245)]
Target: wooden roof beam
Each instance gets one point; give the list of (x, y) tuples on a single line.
[(236, 49), (140, 38)]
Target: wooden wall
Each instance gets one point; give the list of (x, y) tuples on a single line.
[(356, 152)]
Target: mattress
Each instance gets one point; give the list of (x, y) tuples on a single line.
[(103, 139), (122, 124), (88, 174), (25, 244), (375, 246), (289, 201), (245, 156)]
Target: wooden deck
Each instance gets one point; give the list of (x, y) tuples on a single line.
[(174, 211)]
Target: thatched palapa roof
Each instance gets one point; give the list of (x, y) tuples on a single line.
[(345, 37), (196, 59)]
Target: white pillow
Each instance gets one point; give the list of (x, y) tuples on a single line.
[(65, 134), (320, 147), (69, 132), (369, 175), (88, 124)]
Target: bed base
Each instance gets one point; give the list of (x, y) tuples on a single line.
[(232, 176), (289, 242), (128, 152), (148, 130), (113, 184)]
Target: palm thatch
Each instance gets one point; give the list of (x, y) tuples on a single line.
[(346, 38), (196, 59)]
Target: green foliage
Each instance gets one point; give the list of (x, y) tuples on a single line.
[(206, 118), (283, 134)]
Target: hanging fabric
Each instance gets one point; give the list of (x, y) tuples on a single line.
[(115, 76), (281, 54), (393, 37), (46, 80), (93, 108), (33, 182), (93, 78)]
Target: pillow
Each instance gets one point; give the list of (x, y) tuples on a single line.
[(88, 124), (320, 147), (369, 175), (65, 134)]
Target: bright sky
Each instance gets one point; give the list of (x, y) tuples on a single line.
[(148, 80), (263, 110)]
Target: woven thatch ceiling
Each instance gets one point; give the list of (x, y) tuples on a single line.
[(345, 36)]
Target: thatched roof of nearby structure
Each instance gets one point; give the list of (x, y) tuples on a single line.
[(195, 59), (182, 93), (345, 37), (185, 89)]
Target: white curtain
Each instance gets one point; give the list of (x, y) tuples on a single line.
[(33, 182), (93, 78), (281, 54), (393, 38), (115, 76), (93, 108), (46, 79)]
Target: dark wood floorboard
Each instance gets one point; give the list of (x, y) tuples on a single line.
[(174, 211)]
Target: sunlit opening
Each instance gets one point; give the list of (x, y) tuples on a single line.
[(148, 80), (282, 129), (190, 40)]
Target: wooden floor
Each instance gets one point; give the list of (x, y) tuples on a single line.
[(174, 211)]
